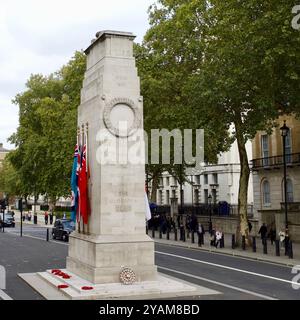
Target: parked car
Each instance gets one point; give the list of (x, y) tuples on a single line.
[(62, 229), (9, 220)]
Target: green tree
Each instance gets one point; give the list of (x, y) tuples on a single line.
[(242, 65), (47, 129), (163, 77)]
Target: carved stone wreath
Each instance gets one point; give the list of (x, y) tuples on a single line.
[(127, 276), (106, 117)]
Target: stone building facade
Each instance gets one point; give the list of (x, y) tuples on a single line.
[(268, 176)]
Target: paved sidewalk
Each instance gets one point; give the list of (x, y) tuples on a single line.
[(40, 222), (258, 255)]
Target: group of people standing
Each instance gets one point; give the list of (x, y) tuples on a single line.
[(48, 217), (271, 233)]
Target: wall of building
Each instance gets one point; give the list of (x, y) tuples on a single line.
[(227, 173), (274, 174)]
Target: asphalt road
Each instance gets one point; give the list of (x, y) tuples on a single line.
[(235, 278)]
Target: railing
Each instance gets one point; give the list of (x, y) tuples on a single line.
[(292, 206), (202, 209), (276, 161)]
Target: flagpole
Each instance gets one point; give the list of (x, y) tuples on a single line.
[(78, 209), (87, 169), (83, 136)]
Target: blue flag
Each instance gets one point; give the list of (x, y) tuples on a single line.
[(74, 185)]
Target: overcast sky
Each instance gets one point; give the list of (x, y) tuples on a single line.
[(39, 36)]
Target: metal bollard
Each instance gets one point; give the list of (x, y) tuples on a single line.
[(183, 235), (193, 237), (291, 254), (160, 233), (202, 238), (175, 235), (168, 234), (146, 229), (265, 246), (254, 244), (277, 247), (153, 232), (188, 234), (243, 242), (47, 235), (286, 246), (233, 241), (199, 239)]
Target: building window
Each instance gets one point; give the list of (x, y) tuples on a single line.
[(206, 196), (161, 181), (288, 147), (196, 196), (168, 197), (215, 178), (174, 181), (197, 179), (214, 196), (266, 192), (206, 179), (265, 149), (173, 193), (160, 198), (289, 191), (168, 181)]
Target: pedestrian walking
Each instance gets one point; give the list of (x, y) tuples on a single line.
[(51, 217), (282, 236), (249, 226), (212, 237), (219, 235), (263, 232), (272, 234), (46, 217)]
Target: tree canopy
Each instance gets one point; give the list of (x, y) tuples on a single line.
[(238, 61), (47, 128)]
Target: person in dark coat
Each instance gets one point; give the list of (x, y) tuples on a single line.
[(263, 232), (272, 234)]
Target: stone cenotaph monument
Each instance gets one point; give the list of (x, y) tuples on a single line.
[(113, 244)]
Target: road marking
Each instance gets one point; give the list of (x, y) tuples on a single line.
[(228, 254), (229, 268), (33, 237), (220, 284), (4, 296)]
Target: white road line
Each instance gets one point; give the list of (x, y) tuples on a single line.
[(4, 296), (221, 284), (229, 268), (33, 237), (231, 255)]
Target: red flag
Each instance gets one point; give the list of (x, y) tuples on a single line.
[(78, 190), (83, 190)]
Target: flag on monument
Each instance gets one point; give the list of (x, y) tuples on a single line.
[(148, 211), (74, 185), (78, 191), (83, 190)]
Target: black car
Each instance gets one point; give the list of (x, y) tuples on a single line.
[(62, 229), (9, 220)]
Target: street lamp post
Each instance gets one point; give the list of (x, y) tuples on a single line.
[(210, 222), (284, 132), (192, 184)]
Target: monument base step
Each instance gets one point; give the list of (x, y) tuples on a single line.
[(76, 288)]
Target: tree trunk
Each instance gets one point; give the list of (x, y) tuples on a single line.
[(154, 186), (242, 229)]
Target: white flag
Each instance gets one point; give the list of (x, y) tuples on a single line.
[(148, 211)]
